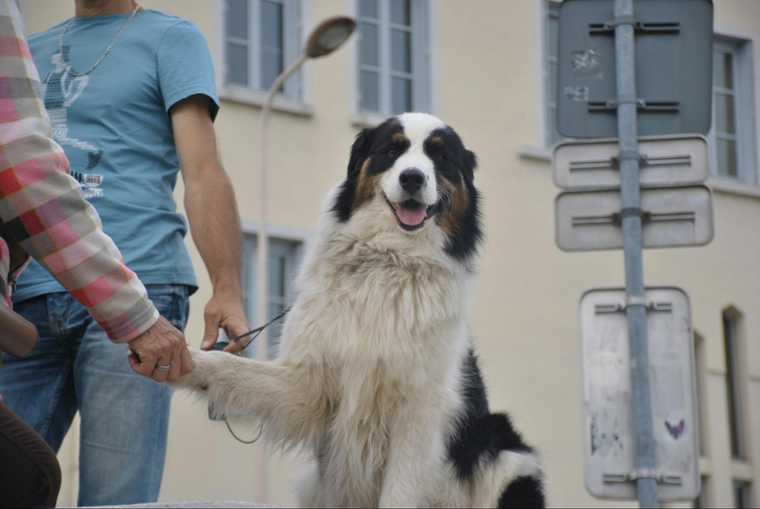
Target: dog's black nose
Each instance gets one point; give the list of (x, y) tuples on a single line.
[(411, 180)]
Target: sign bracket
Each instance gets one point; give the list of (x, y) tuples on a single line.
[(647, 105), (653, 307), (632, 477), (608, 28)]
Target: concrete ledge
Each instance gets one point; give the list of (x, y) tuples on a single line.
[(191, 505)]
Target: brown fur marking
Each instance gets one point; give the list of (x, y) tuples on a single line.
[(365, 186), (459, 199)]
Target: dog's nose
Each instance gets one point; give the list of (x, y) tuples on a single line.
[(411, 180)]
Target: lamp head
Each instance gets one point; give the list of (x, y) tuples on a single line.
[(329, 36)]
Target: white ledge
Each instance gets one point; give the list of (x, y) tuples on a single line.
[(366, 119), (535, 153), (242, 95), (735, 187)]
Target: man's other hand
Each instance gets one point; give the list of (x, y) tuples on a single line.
[(161, 353), (225, 310)]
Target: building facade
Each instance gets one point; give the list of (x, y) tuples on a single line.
[(485, 67)]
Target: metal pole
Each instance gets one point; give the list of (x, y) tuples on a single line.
[(262, 239), (645, 461), (262, 242)]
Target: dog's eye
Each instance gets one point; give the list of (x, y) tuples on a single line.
[(392, 152)]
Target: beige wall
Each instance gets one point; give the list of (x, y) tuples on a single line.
[(487, 80)]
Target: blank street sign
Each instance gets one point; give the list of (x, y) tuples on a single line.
[(673, 67), (673, 217), (666, 161), (608, 435)]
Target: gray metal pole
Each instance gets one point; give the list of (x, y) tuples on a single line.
[(645, 461)]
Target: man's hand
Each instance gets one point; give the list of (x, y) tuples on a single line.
[(225, 310), (161, 353)]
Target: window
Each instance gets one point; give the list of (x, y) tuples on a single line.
[(394, 59), (732, 136), (551, 71), (731, 345), (284, 256), (261, 37), (742, 494)]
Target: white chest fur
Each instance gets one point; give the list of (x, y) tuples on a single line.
[(389, 322)]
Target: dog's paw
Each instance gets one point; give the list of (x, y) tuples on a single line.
[(204, 364)]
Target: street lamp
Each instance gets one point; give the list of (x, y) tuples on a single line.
[(323, 40)]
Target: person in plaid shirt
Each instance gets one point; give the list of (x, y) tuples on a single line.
[(43, 213)]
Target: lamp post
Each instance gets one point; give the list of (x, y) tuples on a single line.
[(328, 36)]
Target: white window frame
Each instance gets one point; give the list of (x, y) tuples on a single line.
[(745, 137), (293, 37), (422, 61), (277, 237)]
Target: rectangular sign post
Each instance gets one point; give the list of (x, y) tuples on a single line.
[(673, 217), (645, 462), (608, 438)]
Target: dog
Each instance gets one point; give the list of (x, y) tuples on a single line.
[(376, 376)]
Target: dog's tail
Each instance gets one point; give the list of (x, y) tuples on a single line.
[(501, 469)]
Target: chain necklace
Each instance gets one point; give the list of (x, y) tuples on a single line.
[(74, 73)]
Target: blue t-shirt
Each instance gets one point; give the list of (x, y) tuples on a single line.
[(115, 128)]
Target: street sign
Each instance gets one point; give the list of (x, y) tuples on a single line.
[(673, 51), (608, 435), (671, 217), (665, 161)]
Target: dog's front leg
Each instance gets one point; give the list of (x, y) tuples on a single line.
[(414, 459), (288, 398)]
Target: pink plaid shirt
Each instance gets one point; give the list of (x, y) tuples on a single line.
[(42, 209)]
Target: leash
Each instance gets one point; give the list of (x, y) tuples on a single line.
[(220, 345)]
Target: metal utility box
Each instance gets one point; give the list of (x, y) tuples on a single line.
[(608, 435), (665, 161), (673, 42), (673, 217)]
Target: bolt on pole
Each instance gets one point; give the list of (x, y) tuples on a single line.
[(641, 414)]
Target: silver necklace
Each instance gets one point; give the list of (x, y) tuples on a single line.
[(74, 73)]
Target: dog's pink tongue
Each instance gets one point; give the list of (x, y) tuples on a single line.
[(410, 217)]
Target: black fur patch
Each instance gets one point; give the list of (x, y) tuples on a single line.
[(452, 159), (376, 142), (523, 492), (480, 436)]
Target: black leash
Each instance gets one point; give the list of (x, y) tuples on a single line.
[(220, 345)]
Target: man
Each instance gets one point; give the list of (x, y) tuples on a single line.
[(131, 97)]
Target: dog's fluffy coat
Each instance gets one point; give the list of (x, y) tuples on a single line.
[(376, 376)]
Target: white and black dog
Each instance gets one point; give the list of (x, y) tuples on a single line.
[(376, 375)]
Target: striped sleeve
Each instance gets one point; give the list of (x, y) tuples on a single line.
[(41, 206)]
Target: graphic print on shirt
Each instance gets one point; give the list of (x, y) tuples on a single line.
[(59, 90)]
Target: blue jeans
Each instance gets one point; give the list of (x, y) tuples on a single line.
[(75, 367)]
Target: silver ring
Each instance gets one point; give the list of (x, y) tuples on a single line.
[(163, 368)]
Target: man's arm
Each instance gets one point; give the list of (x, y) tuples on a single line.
[(44, 211), (213, 216)]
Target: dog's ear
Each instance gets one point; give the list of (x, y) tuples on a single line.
[(359, 151), (470, 163)]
